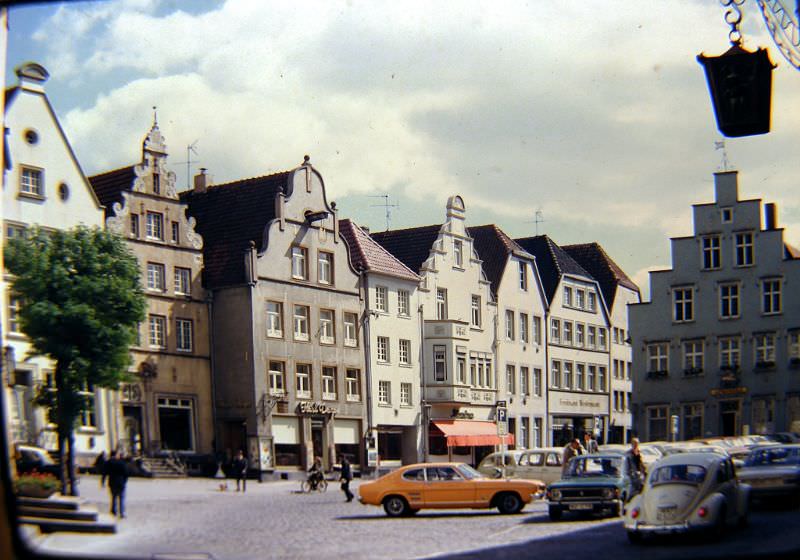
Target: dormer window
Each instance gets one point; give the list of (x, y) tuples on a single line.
[(458, 253)]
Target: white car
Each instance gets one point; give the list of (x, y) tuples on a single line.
[(688, 492)]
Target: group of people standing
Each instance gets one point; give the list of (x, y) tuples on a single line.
[(574, 448)]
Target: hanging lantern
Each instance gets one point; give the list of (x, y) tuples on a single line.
[(740, 82)]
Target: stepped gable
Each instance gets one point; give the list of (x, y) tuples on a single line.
[(229, 217), (494, 248), (367, 254), (110, 185), (411, 246), (552, 262), (790, 252), (594, 259)]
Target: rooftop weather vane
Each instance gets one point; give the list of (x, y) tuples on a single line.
[(385, 205)]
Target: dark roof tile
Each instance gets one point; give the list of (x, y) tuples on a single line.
[(494, 248), (552, 262), (367, 254), (110, 185), (593, 258), (411, 246)]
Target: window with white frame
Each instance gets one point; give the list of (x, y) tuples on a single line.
[(403, 303), (657, 423), (524, 432), (31, 182), (327, 326), (579, 334), (592, 301), (523, 276), (404, 352), (381, 298), (765, 349), (555, 374), (405, 394), (476, 311), (567, 339), (176, 232), (566, 377), (523, 327), (602, 338), (154, 226), (615, 369), (509, 324), (439, 363), (712, 257), (602, 379), (325, 267), (14, 307), (277, 382), (134, 225), (794, 345), (461, 364), (555, 330), (441, 303), (88, 416), (580, 377), (157, 331), (353, 384), (511, 374), (693, 356), (303, 381), (728, 301), (301, 315), (384, 392), (683, 304), (744, 249), (537, 329), (155, 277), (299, 263), (729, 352), (328, 383), (473, 375), (183, 281), (275, 319), (524, 381), (383, 349), (591, 377), (580, 299), (658, 357), (184, 335), (592, 336), (458, 253), (771, 296), (537, 382), (350, 329), (567, 296), (537, 432)]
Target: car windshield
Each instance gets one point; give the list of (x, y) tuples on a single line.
[(684, 474), (774, 456), (468, 472), (595, 466)]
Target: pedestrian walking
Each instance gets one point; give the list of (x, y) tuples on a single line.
[(572, 449), (589, 443), (100, 467), (240, 470), (636, 466), (347, 476), (116, 468)]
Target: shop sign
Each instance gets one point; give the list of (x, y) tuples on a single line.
[(729, 391), (561, 402), (462, 414), (315, 407)]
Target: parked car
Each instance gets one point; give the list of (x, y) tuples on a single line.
[(688, 492), (537, 464), (445, 486), (773, 471), (784, 437), (31, 458), (596, 483)]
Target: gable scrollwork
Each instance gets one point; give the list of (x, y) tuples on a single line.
[(118, 222)]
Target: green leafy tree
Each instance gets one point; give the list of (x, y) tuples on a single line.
[(81, 302)]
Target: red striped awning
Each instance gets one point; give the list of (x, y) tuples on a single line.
[(471, 433)]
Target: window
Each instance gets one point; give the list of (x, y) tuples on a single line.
[(567, 332), (88, 418), (441, 303), (580, 376), (511, 374), (729, 352), (325, 267), (439, 364), (383, 349), (523, 276), (353, 382), (592, 341), (601, 338), (658, 357), (384, 392), (327, 328), (537, 382), (692, 421), (509, 324), (154, 226), (537, 329), (183, 283), (176, 232), (580, 299), (592, 301), (657, 423), (601, 379), (523, 327), (524, 381), (135, 225), (403, 303), (683, 305), (692, 357), (711, 252), (555, 330), (277, 386), (14, 307), (726, 215), (476, 311), (555, 374), (765, 349), (579, 329), (567, 296), (744, 249), (567, 375), (615, 370), (156, 183), (591, 377), (301, 313), (524, 432), (328, 383), (763, 415), (275, 319), (537, 432), (350, 338), (303, 381), (157, 331), (771, 297), (155, 277), (300, 263), (794, 345), (462, 370), (31, 182), (183, 334), (405, 394), (404, 354), (458, 253), (381, 298), (728, 301), (629, 370)]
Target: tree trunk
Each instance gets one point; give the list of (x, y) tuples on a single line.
[(62, 434), (73, 480)]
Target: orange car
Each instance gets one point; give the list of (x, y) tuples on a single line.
[(445, 486)]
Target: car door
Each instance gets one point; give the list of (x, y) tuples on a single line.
[(445, 487), (727, 486), (552, 467), (413, 487), (534, 463)]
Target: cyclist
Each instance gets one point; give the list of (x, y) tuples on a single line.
[(315, 474)]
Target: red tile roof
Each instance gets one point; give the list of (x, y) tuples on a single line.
[(110, 185), (366, 254), (412, 246), (593, 258)]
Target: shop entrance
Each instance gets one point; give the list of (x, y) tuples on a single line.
[(317, 437), (729, 417), (131, 439)]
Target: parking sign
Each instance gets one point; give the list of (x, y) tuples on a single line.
[(502, 421)]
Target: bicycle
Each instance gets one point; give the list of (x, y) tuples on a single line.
[(306, 487)]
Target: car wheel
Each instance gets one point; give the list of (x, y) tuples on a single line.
[(509, 503), (554, 513), (634, 537), (395, 506)]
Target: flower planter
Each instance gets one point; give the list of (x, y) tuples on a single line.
[(34, 491)]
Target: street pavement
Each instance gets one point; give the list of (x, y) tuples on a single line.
[(192, 518)]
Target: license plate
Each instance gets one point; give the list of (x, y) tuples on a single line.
[(580, 506)]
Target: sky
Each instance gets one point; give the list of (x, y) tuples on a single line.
[(595, 115)]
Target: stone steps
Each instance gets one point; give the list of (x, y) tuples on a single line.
[(69, 525), (63, 513)]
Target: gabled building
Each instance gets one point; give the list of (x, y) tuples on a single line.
[(287, 343), (520, 347), (577, 344), (392, 327), (459, 366), (169, 406), (43, 185), (717, 347), (618, 292)]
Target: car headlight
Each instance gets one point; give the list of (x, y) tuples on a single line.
[(609, 493), (555, 494)]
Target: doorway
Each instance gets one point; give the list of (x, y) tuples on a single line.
[(729, 417), (317, 438), (132, 435)]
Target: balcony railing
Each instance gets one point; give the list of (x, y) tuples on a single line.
[(692, 371), (658, 374)]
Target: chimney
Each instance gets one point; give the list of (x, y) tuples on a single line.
[(365, 229), (770, 216), (200, 181)]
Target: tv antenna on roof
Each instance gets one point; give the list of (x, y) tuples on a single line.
[(721, 146), (538, 218), (388, 207), (190, 149)]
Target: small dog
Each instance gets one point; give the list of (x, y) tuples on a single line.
[(223, 487)]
